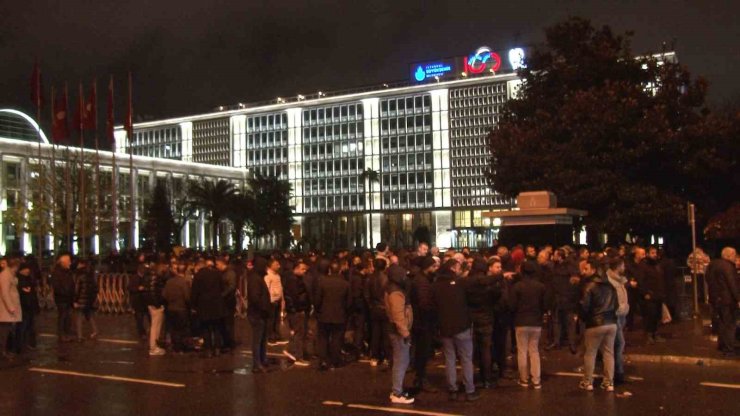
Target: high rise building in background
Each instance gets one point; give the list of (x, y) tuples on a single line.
[(425, 139)]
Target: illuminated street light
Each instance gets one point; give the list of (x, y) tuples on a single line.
[(301, 97)]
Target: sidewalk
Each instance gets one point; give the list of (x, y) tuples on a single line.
[(687, 342)]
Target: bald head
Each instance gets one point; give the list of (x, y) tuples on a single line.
[(729, 253)]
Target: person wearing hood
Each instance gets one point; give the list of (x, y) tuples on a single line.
[(482, 297), (528, 306), (615, 274), (455, 327), (599, 304), (401, 317), (86, 298)]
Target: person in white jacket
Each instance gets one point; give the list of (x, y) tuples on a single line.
[(615, 273), (10, 304)]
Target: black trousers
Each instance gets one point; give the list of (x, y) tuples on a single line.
[(212, 328), (726, 328), (229, 333), (331, 337), (64, 319), (178, 323), (651, 312), (379, 341), (500, 330), (483, 341), (423, 340)]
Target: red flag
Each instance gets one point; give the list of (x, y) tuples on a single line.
[(37, 97), (110, 121), (59, 128), (90, 119), (129, 123)]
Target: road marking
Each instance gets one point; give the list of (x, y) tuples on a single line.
[(269, 354), (399, 410), (723, 385), (106, 377), (568, 374), (108, 340), (332, 403)]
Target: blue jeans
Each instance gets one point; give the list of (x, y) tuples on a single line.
[(463, 342), (259, 341), (619, 346), (401, 351)]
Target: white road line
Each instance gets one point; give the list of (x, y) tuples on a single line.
[(106, 377), (332, 403), (108, 340), (269, 354), (568, 374), (722, 385), (399, 410)]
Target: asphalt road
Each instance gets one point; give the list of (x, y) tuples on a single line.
[(114, 376)]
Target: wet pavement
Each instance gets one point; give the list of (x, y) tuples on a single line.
[(114, 376)]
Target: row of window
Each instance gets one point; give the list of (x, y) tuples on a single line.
[(333, 132), (409, 143), (343, 185), (342, 167), (411, 199), (267, 122), (280, 171), (333, 203), (407, 180), (273, 138), (472, 191), (267, 156), (325, 115), (411, 161), (406, 124), (469, 161), (332, 150), (166, 135), (480, 201), (490, 89), (413, 104)]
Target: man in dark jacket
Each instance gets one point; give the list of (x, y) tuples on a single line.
[(565, 300), (258, 311), (176, 294), (482, 297), (208, 303), (229, 277), (528, 306), (724, 296), (651, 287), (153, 284), (599, 311), (136, 291), (455, 327), (333, 300), (63, 284), (374, 297), (25, 331), (501, 314), (297, 306), (425, 324), (86, 298)]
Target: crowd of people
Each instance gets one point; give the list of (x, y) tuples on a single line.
[(391, 308)]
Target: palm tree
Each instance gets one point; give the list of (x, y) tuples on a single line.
[(240, 213), (213, 198), (370, 177), (275, 215)]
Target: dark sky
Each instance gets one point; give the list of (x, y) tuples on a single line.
[(191, 56)]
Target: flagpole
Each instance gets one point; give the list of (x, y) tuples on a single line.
[(68, 181), (94, 104), (41, 181), (130, 137), (81, 198), (52, 174), (114, 173)]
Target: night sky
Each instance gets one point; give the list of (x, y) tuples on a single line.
[(190, 56)]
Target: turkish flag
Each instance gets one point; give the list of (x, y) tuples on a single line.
[(59, 128), (37, 96), (77, 118), (110, 121), (129, 122), (90, 116)]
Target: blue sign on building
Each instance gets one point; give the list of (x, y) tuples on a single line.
[(425, 71)]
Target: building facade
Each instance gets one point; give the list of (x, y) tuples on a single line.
[(426, 142), (113, 215)]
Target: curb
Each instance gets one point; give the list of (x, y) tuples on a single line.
[(682, 359)]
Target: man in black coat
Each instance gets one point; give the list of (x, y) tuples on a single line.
[(528, 306), (455, 327), (333, 301), (297, 306), (258, 311), (63, 284), (229, 277), (208, 303), (724, 296), (651, 287), (425, 321), (482, 297)]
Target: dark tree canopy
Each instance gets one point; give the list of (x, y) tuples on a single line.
[(160, 225), (628, 139)]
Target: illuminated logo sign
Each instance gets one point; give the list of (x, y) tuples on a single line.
[(483, 59), (516, 58), (421, 72)]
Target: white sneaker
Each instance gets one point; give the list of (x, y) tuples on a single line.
[(402, 399), (301, 363), (157, 351)]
